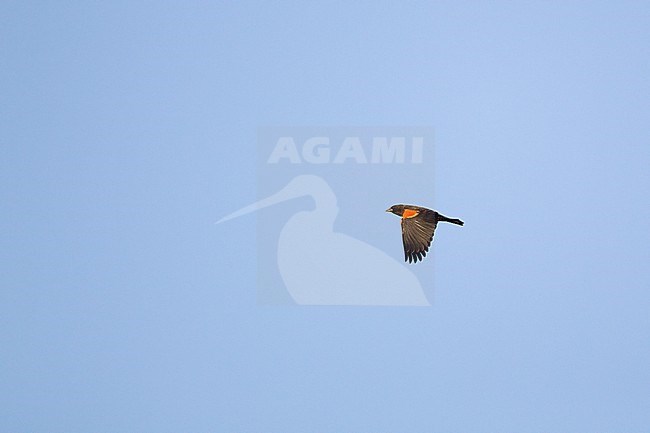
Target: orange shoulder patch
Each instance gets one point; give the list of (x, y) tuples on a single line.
[(409, 213)]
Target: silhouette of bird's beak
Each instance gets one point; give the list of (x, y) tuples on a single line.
[(389, 210), (283, 195), (299, 186)]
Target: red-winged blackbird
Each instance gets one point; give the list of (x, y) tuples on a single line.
[(418, 225)]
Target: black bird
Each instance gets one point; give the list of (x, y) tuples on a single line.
[(418, 225)]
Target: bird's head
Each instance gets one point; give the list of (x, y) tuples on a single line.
[(397, 209)]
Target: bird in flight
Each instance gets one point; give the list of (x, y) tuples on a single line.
[(418, 225)]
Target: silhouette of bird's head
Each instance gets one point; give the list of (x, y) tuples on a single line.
[(397, 209)]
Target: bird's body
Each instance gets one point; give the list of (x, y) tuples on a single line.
[(418, 227), (320, 266)]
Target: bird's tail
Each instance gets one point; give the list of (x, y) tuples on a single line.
[(450, 220)]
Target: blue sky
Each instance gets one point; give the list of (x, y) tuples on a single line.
[(128, 128)]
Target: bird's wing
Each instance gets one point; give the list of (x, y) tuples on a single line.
[(417, 234)]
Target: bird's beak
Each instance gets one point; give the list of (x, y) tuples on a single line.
[(389, 210), (278, 197)]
